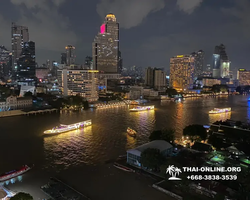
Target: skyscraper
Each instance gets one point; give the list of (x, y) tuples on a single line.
[(105, 48), (26, 64), (243, 76), (155, 78), (182, 72), (221, 63), (63, 58), (4, 62), (199, 63), (19, 35), (70, 55)]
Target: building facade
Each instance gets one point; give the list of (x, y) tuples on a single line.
[(243, 76), (199, 63), (70, 55), (155, 78), (63, 58), (19, 35), (26, 64), (5, 62), (105, 48), (182, 72), (79, 82), (15, 103)]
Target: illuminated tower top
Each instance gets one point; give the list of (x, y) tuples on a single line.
[(111, 17)]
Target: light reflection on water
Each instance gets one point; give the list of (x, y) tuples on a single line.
[(107, 138)]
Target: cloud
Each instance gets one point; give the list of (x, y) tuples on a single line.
[(188, 6), (130, 13), (47, 27)]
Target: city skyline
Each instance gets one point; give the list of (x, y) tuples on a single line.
[(148, 38)]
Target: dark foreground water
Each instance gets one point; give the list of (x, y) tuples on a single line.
[(22, 140)]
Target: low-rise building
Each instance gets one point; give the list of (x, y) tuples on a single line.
[(15, 103), (134, 155)]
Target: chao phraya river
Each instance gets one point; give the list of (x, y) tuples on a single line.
[(22, 140)]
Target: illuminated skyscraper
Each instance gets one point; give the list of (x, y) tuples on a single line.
[(4, 61), (199, 63), (70, 55), (19, 35), (221, 63), (105, 48), (182, 72), (243, 76)]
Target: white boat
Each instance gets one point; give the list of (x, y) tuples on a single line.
[(219, 110), (65, 128), (131, 132), (142, 108)]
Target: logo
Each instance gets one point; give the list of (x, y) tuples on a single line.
[(173, 172)]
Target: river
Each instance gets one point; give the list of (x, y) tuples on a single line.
[(22, 140)]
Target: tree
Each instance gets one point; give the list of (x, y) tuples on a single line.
[(165, 134), (151, 158), (171, 92), (215, 141), (22, 196), (196, 132), (238, 123), (86, 105), (28, 94)]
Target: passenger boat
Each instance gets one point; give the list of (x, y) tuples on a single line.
[(14, 173), (219, 110), (142, 108), (131, 132), (65, 128)]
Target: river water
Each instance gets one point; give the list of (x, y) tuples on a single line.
[(22, 140)]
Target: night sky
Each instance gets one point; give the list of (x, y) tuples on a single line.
[(151, 31)]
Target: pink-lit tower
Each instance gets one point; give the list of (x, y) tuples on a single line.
[(105, 48)]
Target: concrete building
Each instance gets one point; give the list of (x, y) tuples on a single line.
[(182, 72), (209, 82), (105, 48), (19, 35), (79, 82), (70, 55), (199, 63), (243, 76), (42, 73), (134, 155), (155, 78), (15, 103), (135, 92)]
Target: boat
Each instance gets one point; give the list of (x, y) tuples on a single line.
[(65, 128), (131, 132), (14, 173), (142, 108), (219, 110)]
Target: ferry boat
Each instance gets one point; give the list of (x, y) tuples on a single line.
[(65, 128), (219, 110), (14, 173), (142, 108), (131, 132)]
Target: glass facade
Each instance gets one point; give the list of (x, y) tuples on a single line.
[(133, 159)]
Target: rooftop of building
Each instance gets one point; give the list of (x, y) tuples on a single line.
[(156, 144)]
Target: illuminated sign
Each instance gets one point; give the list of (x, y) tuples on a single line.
[(103, 29), (180, 56), (242, 69), (93, 71)]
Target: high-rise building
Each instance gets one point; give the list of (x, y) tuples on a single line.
[(120, 63), (221, 63), (26, 65), (4, 62), (79, 82), (182, 72), (19, 35), (243, 76), (105, 48), (199, 63), (155, 78), (88, 63), (63, 58), (70, 55)]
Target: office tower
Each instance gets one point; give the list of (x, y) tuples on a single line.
[(63, 58), (71, 83), (199, 63), (105, 48), (4, 62), (19, 35), (70, 55), (182, 72), (26, 64), (155, 78), (221, 63), (88, 63), (48, 64), (243, 76)]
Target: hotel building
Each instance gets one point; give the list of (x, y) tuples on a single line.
[(182, 72), (79, 82), (105, 48), (243, 76)]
